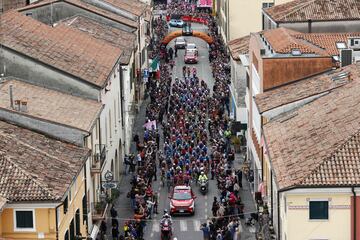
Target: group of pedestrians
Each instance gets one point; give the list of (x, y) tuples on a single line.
[(196, 133)]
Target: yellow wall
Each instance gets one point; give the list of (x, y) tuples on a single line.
[(297, 226), (45, 218), (246, 16), (44, 223), (76, 203)]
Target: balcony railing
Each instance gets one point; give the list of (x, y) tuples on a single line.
[(99, 156), (98, 210)]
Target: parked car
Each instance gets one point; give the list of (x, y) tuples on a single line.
[(182, 200), (176, 23), (180, 42), (187, 31), (191, 56)]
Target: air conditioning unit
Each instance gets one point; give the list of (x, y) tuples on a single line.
[(346, 57)]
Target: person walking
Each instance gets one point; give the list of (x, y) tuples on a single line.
[(206, 231), (171, 52), (115, 232)]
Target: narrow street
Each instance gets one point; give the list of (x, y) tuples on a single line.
[(184, 227)]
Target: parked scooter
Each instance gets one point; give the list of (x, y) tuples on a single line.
[(204, 186)]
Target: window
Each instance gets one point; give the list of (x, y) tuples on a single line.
[(65, 204), (84, 207), (66, 236), (77, 222), (69, 195), (24, 220), (318, 210), (72, 230), (267, 5)]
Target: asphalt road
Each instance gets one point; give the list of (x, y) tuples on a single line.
[(187, 227)]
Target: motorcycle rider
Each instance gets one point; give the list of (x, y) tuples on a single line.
[(165, 217), (202, 177)]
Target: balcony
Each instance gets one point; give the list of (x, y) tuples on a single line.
[(98, 157), (98, 210)]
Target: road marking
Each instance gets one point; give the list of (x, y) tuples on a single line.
[(183, 226), (206, 197), (156, 226), (206, 203), (152, 235), (197, 225)]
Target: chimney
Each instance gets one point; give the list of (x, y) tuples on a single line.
[(17, 105), (23, 106), (309, 25), (11, 97)]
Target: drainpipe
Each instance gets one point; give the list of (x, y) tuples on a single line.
[(272, 197), (354, 212), (56, 222), (278, 210)]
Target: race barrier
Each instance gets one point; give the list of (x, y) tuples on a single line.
[(191, 19)]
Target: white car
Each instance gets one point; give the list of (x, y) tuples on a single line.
[(180, 42)]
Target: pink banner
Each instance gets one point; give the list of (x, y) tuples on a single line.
[(205, 3)]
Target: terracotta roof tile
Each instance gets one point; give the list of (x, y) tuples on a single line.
[(81, 4), (239, 46), (50, 105), (34, 167), (306, 146), (132, 6), (316, 10), (114, 36), (298, 90), (284, 40), (11, 4), (63, 47)]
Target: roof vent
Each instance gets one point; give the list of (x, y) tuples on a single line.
[(17, 105), (23, 106), (295, 52)]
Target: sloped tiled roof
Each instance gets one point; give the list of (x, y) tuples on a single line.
[(89, 7), (283, 40), (318, 144), (298, 90), (132, 6), (34, 167), (11, 4), (327, 41), (239, 46), (63, 47), (50, 105), (316, 10), (114, 36)]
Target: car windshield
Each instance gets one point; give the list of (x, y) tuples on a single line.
[(182, 195), (190, 54), (180, 40)]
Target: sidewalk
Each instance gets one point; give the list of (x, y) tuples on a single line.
[(247, 233), (122, 203)]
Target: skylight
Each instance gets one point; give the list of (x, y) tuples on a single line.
[(341, 45), (295, 52)]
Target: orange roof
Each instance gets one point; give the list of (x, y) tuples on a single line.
[(284, 40), (239, 46), (319, 144), (62, 47), (316, 10)]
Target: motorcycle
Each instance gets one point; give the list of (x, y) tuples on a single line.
[(204, 186), (166, 231)]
